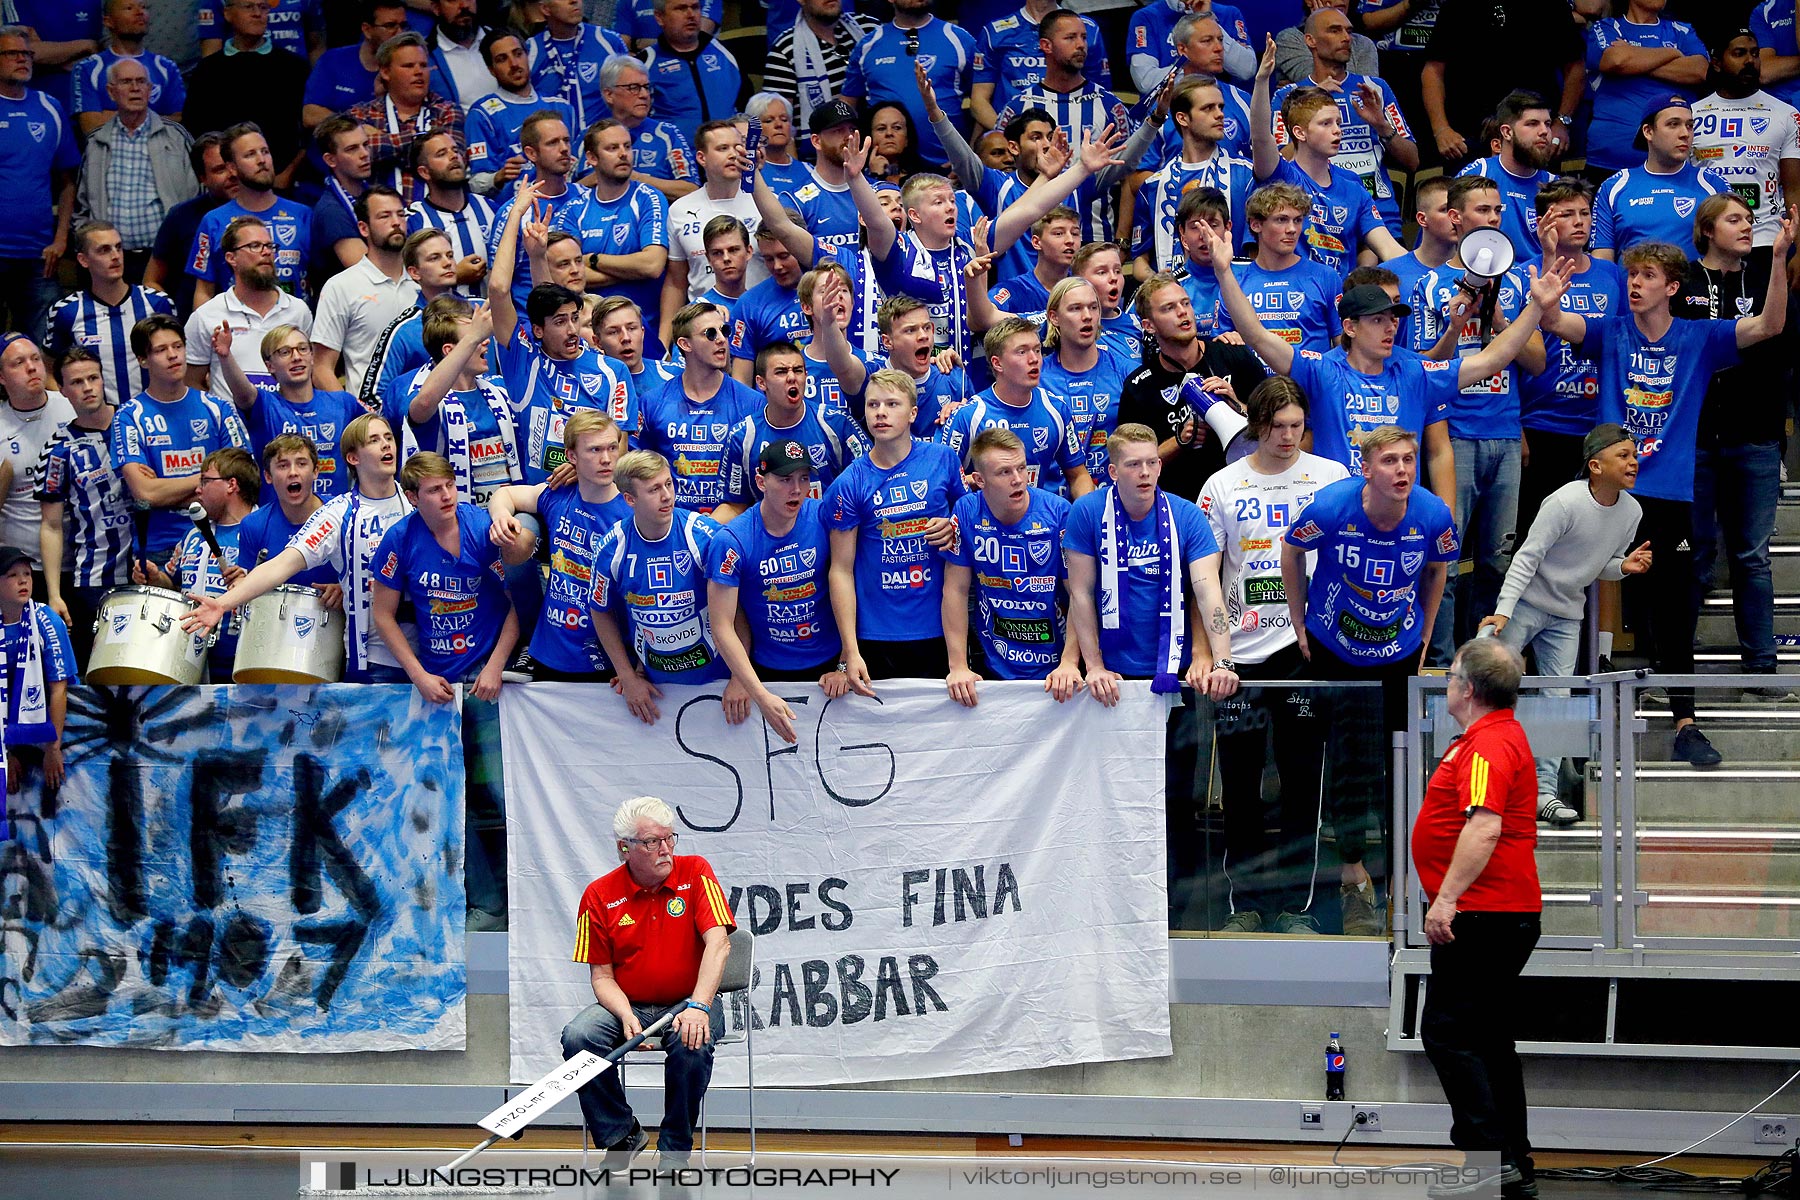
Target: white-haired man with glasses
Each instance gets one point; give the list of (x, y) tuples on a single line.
[(654, 933)]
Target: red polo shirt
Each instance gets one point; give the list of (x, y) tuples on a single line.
[(652, 936), (1489, 767)]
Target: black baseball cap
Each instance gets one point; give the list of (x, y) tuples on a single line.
[(12, 556), (1366, 300), (784, 456), (836, 112)]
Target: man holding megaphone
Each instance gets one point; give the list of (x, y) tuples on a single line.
[(1463, 306)]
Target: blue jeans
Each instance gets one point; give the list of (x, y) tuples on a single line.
[(1557, 641), (1736, 489), (685, 1076), (1487, 510)]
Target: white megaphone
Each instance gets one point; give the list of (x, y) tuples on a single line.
[(1220, 414), (1487, 254)]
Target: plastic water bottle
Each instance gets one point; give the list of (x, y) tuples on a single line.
[(1334, 1069)]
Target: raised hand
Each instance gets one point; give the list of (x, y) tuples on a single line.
[(979, 237), (1097, 155), (1367, 102), (1784, 235), (1265, 66), (927, 93), (221, 340), (1052, 159), (856, 154), (1638, 561)]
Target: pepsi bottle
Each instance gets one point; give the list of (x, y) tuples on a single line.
[(1334, 1069)]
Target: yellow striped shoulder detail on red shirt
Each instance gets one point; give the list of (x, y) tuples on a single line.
[(1478, 780)]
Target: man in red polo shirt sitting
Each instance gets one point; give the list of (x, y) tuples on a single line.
[(653, 932), (1475, 849)]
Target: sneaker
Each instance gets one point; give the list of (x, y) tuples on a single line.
[(519, 669), (1509, 1182), (1692, 747), (1245, 920), (1654, 695), (1553, 811), (1774, 693), (1361, 917), (1301, 924), (674, 1160), (621, 1152)]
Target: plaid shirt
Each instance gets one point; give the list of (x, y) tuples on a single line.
[(390, 141), (131, 188)]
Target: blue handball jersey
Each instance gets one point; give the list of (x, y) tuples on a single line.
[(637, 220), (782, 585), (1092, 397), (1486, 408), (828, 213), (767, 313), (1343, 213), (459, 602), (493, 126), (899, 580), (265, 533), (656, 591), (659, 148), (194, 568), (1008, 56), (37, 140), (1297, 304), (1153, 229), (881, 69), (77, 470), (1655, 389), (322, 420), (1363, 600), (1772, 21), (1566, 397), (1015, 571), (1639, 205), (289, 22), (1410, 392), (1131, 648), (570, 70), (168, 93), (290, 227), (172, 439), (545, 392), (1359, 151), (1518, 194), (692, 435), (1619, 100), (573, 529), (832, 443), (28, 720), (1053, 441)]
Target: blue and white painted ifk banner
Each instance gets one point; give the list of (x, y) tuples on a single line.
[(240, 868), (935, 890)]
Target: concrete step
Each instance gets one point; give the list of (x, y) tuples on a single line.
[(1767, 741), (1787, 519), (1741, 795), (1717, 627)]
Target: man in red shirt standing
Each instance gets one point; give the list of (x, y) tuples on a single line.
[(1474, 848), (653, 933)]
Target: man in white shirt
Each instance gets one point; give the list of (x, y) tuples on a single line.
[(719, 147), (252, 306), (1749, 137), (360, 302), (458, 72), (28, 420)]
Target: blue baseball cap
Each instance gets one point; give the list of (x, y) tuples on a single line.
[(1654, 110)]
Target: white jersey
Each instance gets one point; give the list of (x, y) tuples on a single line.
[(1250, 515), (1745, 141), (343, 534), (688, 217)]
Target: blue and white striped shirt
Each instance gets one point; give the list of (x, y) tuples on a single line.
[(467, 228), (77, 470), (1080, 114), (104, 330)]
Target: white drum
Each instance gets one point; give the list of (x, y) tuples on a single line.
[(138, 639), (289, 636)]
